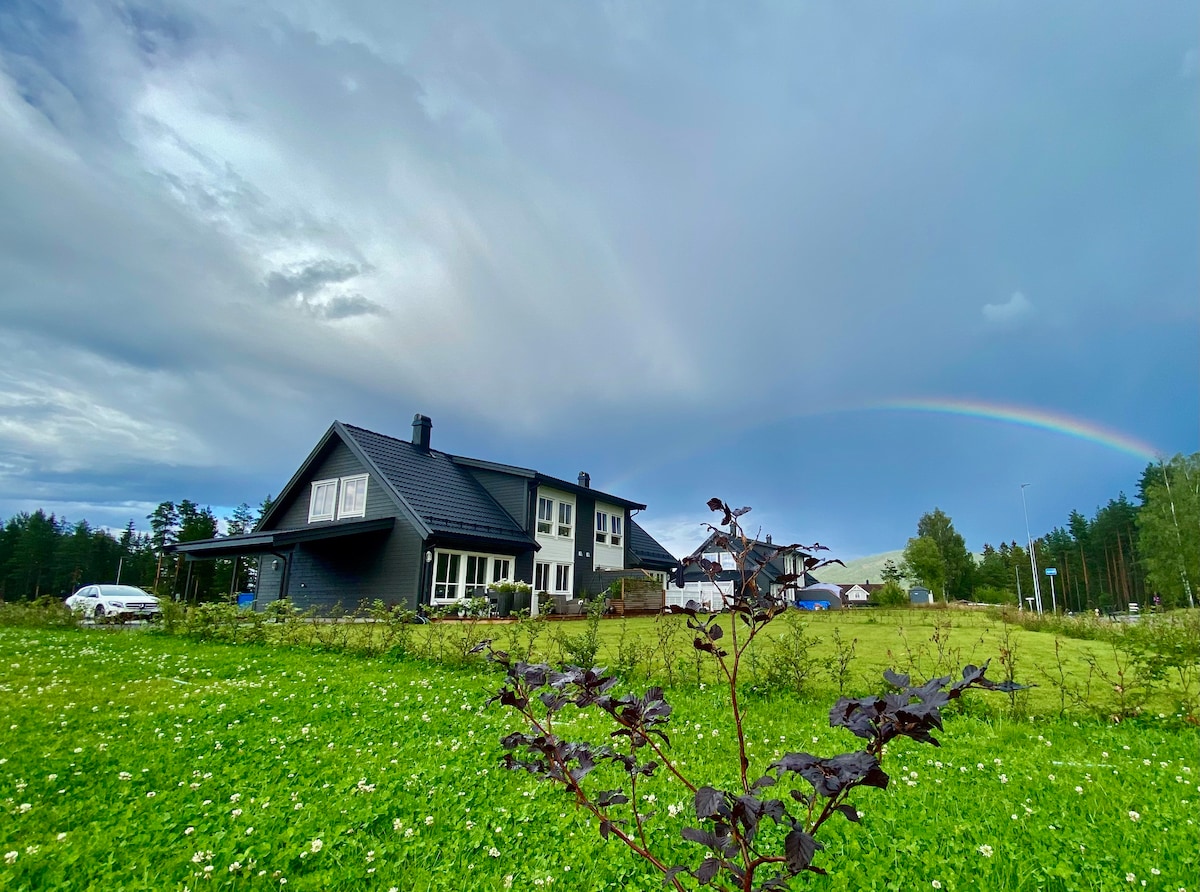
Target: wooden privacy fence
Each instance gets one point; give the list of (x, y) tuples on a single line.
[(639, 596)]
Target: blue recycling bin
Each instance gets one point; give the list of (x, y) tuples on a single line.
[(245, 600)]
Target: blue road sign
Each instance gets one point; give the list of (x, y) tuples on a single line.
[(1051, 571)]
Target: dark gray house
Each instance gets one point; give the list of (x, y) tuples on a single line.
[(368, 517)]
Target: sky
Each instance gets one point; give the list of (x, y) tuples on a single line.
[(840, 262)]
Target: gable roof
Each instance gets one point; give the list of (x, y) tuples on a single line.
[(434, 490), (647, 552), (446, 498)]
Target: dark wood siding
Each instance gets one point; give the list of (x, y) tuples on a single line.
[(347, 571), (523, 568), (338, 461), (586, 579), (270, 578), (509, 491)]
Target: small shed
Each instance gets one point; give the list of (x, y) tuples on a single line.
[(920, 595)]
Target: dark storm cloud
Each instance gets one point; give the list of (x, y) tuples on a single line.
[(557, 223)]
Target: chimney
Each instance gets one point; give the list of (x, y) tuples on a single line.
[(768, 538), (585, 479), (420, 435)]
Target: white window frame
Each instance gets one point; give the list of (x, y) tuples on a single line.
[(501, 570), (562, 579), (609, 528), (459, 588), (565, 526), (545, 521), (451, 591), (348, 487), (541, 576), (318, 488)]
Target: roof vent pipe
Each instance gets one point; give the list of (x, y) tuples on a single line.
[(420, 435), (768, 538), (585, 479)]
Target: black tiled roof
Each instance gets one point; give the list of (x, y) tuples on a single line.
[(647, 551), (446, 497)]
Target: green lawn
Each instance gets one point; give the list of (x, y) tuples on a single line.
[(142, 761)]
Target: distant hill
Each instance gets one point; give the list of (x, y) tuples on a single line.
[(864, 569)]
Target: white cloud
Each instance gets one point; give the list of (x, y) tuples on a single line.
[(1011, 312)]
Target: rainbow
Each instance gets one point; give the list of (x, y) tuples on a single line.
[(1049, 421)]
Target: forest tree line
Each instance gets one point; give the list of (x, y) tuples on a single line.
[(44, 555), (1124, 553)]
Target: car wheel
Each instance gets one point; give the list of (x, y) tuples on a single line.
[(98, 613)]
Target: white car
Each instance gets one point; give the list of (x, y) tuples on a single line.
[(115, 602)]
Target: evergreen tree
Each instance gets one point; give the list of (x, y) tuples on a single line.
[(891, 573)]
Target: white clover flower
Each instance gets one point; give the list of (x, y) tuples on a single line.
[(10, 857), (316, 845), (1130, 878), (494, 852), (936, 884), (986, 851), (189, 831), (429, 821), (1134, 816)]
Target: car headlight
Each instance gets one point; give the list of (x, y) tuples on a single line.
[(120, 604)]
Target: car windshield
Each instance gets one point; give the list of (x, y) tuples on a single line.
[(122, 591)]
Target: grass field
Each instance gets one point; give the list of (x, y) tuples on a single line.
[(144, 761), (1067, 674)]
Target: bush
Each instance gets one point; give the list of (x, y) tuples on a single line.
[(750, 841), (891, 595), (43, 613)]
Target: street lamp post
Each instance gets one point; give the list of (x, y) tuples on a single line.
[(1037, 589)]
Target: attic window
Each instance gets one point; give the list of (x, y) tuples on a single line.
[(354, 496), (324, 496)]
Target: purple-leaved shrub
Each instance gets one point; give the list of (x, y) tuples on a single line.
[(751, 839)]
